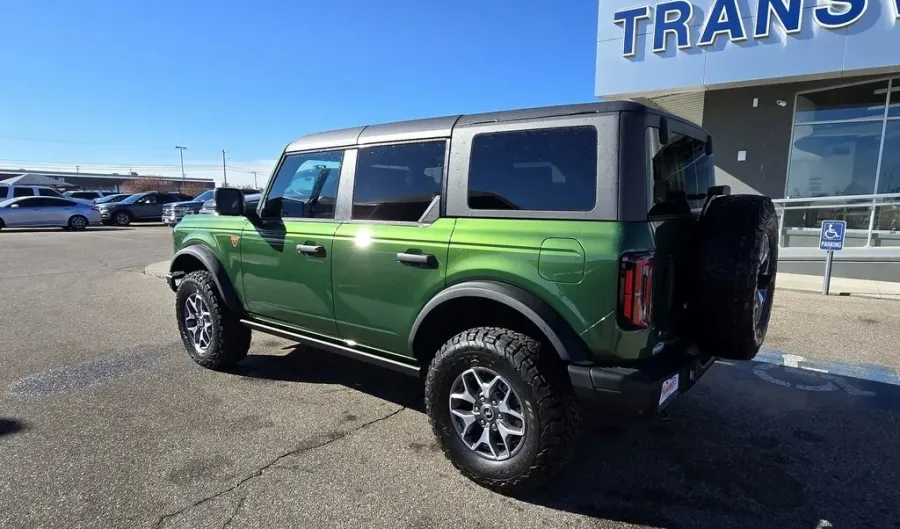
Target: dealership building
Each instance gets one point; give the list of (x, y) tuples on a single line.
[(802, 98), (116, 182)]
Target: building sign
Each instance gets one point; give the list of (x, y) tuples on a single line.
[(725, 19)]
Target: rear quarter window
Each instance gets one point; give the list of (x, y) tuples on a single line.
[(551, 169), (680, 169)]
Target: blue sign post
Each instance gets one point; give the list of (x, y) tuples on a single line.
[(831, 240)]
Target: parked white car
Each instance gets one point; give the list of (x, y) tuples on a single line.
[(8, 191), (33, 212)]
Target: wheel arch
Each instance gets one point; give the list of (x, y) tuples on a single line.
[(199, 257), (463, 305)]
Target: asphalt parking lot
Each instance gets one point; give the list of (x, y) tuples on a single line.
[(106, 422)]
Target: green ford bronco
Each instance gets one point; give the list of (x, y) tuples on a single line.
[(519, 262)]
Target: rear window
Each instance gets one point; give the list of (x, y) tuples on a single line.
[(541, 170), (680, 169)]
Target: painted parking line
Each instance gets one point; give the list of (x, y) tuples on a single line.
[(871, 372)]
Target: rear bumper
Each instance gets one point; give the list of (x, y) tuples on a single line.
[(638, 388)]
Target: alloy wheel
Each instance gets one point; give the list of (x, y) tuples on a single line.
[(198, 322), (763, 282), (487, 413)]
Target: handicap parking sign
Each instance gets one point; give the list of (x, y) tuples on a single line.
[(832, 236)]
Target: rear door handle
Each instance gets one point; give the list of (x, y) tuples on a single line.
[(311, 249), (419, 259)]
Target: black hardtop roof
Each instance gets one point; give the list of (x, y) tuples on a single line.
[(442, 127)]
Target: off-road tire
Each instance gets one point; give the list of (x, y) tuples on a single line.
[(230, 340), (122, 218), (730, 236), (549, 405)]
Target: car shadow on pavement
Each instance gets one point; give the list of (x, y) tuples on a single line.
[(306, 364), (10, 426), (743, 451), (737, 451)]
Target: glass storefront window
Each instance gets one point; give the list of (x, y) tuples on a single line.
[(834, 159), (889, 178), (842, 104), (845, 142), (886, 231), (894, 110)]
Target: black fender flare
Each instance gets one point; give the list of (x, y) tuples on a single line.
[(567, 344), (211, 263)]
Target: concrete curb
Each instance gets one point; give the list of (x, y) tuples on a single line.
[(159, 269), (840, 286)]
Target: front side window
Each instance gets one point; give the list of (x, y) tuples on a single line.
[(398, 182), (44, 192), (305, 186), (681, 169), (22, 192), (540, 170)]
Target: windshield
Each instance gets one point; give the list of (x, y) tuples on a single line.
[(111, 198), (203, 197)]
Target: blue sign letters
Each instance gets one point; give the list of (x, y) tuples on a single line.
[(849, 11), (629, 18), (664, 24), (725, 18), (789, 16)]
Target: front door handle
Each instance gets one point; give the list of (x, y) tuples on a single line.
[(420, 259), (311, 249)]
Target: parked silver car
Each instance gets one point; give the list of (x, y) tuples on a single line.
[(31, 212)]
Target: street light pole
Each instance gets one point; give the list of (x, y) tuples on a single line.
[(224, 173), (255, 186), (181, 152)]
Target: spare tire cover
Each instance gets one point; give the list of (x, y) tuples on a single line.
[(734, 282)]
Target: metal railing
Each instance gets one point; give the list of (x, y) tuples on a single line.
[(870, 202)]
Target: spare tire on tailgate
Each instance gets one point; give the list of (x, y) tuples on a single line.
[(734, 282)]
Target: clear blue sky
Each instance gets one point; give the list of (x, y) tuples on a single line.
[(122, 82)]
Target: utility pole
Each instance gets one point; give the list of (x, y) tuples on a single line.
[(224, 173), (255, 186), (181, 152), (77, 168)]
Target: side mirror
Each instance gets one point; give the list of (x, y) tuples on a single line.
[(14, 206), (229, 202)]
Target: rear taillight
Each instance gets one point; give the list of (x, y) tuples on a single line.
[(635, 290)]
